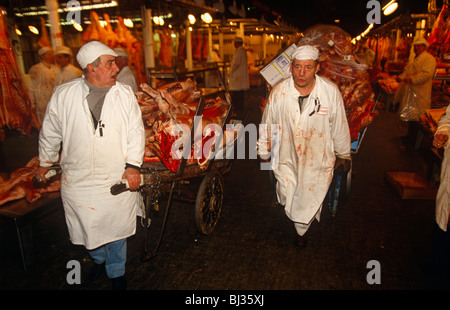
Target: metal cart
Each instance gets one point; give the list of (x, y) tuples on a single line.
[(158, 180)]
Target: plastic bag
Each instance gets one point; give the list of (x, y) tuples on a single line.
[(411, 104)]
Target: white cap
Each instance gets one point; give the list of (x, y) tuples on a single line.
[(420, 40), (306, 52), (62, 49), (239, 40), (121, 52), (90, 51), (44, 50)]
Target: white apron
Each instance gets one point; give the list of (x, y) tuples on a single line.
[(443, 195), (92, 163), (308, 144)]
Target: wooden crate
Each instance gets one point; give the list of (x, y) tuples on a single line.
[(411, 185)]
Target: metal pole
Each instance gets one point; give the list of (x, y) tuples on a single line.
[(56, 37)]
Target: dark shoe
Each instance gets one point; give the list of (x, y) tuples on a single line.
[(119, 283), (96, 271), (301, 241)]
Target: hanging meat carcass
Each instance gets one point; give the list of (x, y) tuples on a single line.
[(111, 39), (44, 40), (172, 105), (15, 105), (165, 51)]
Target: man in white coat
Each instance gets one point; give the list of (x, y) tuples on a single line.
[(42, 77), (239, 81), (99, 123), (417, 80), (67, 71), (442, 236), (126, 75), (313, 137)]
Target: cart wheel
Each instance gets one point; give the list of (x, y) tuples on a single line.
[(208, 205)]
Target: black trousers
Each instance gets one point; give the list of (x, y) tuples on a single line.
[(238, 99), (441, 251)]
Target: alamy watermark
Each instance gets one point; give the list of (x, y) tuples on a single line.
[(374, 15), (74, 15)]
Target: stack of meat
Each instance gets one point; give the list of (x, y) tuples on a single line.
[(19, 184), (120, 37), (168, 114), (338, 64), (15, 105)]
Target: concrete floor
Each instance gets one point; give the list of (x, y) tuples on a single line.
[(252, 246)]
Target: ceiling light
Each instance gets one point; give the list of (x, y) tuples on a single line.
[(78, 27), (192, 19), (128, 22), (33, 29), (206, 17), (390, 7)]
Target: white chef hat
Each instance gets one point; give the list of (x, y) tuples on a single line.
[(121, 52), (90, 51), (62, 49), (420, 40), (44, 50), (306, 52)]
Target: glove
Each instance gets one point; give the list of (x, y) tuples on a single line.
[(343, 164)]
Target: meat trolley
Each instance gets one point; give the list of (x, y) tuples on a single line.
[(158, 181)]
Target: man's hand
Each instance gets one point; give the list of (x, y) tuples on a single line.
[(343, 164), (440, 140), (133, 177), (41, 171)]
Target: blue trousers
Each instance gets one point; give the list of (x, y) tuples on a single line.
[(114, 255)]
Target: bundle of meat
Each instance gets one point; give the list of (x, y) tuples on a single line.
[(168, 113), (15, 104), (338, 64), (120, 37), (19, 184)]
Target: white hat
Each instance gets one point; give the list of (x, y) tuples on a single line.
[(121, 52), (239, 39), (89, 52), (62, 49), (44, 50), (306, 52), (420, 40)]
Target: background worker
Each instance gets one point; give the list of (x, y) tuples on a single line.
[(67, 71), (415, 93), (42, 80), (126, 75), (239, 81)]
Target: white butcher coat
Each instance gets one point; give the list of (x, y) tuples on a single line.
[(443, 195), (421, 71), (126, 76), (308, 145), (41, 87), (91, 163), (239, 79), (66, 74)]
